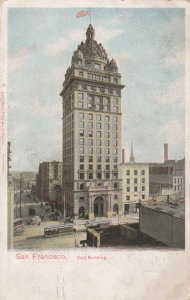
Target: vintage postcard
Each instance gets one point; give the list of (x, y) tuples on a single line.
[(95, 156)]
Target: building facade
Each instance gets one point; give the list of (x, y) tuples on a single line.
[(179, 178), (178, 183), (135, 185), (164, 222), (91, 131), (49, 181), (160, 177), (23, 180)]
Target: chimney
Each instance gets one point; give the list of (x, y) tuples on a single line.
[(132, 158), (123, 156), (165, 152)]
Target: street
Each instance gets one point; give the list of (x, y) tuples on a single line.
[(33, 238), (33, 235)]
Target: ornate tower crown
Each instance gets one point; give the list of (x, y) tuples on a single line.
[(90, 33)]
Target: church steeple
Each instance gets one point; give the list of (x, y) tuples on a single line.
[(132, 158)]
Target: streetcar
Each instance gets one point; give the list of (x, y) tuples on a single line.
[(58, 230)]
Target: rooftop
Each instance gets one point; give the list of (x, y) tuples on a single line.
[(134, 164), (173, 208)]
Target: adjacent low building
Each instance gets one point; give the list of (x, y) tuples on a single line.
[(23, 181), (160, 177), (164, 221), (179, 178), (135, 185)]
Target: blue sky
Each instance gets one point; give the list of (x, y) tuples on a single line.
[(149, 47)]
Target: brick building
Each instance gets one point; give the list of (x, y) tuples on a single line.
[(49, 181)]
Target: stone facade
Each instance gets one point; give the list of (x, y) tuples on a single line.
[(91, 131), (135, 185)]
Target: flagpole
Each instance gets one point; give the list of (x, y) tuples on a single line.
[(90, 15)]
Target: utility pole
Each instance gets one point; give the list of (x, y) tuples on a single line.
[(20, 194), (64, 215)]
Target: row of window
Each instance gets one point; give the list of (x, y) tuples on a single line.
[(98, 126), (94, 66), (98, 175), (98, 134), (99, 89), (135, 172), (99, 142), (178, 180), (99, 159), (95, 76), (128, 189), (128, 181), (178, 188), (98, 167), (128, 197), (98, 117), (98, 99), (99, 77), (98, 150), (97, 107)]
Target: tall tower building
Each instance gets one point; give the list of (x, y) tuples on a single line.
[(91, 132)]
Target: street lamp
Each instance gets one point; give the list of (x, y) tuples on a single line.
[(64, 215)]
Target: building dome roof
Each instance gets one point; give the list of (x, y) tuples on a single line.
[(113, 63), (91, 49)]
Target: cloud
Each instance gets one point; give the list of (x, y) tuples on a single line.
[(18, 59), (57, 75), (177, 59), (107, 34), (64, 43), (175, 94), (172, 58), (14, 106), (121, 59), (174, 133), (19, 130), (75, 36), (121, 17), (43, 110), (59, 46)]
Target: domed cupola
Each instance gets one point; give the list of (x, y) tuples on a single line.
[(78, 57), (113, 66), (91, 49), (90, 33)]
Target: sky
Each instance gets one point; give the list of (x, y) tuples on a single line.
[(149, 48)]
